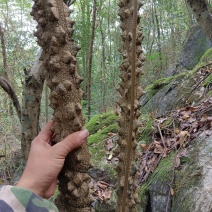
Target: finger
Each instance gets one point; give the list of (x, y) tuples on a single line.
[(71, 142), (46, 132)]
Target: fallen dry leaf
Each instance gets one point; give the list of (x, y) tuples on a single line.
[(144, 147), (158, 149), (185, 117), (183, 136), (106, 195), (109, 144), (177, 161), (204, 118), (172, 191)]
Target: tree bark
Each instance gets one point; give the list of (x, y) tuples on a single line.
[(91, 57), (54, 33), (202, 14), (10, 91), (159, 40), (4, 54), (104, 80), (130, 93), (32, 93)]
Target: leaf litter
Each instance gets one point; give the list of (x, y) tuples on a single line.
[(186, 124)]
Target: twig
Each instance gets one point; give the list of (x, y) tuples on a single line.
[(164, 145), (196, 86)]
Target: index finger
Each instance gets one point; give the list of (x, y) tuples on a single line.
[(46, 132)]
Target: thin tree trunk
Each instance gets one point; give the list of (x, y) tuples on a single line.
[(130, 93), (10, 91), (91, 57), (159, 39), (104, 70), (4, 54), (32, 93)]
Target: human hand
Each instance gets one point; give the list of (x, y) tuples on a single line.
[(45, 161)]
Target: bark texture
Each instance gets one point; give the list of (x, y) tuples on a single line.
[(54, 32), (32, 93), (202, 14), (127, 191), (90, 57), (10, 91), (4, 54)]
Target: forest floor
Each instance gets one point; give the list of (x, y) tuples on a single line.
[(171, 133), (10, 146)]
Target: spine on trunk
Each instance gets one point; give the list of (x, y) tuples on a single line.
[(126, 16), (54, 33)]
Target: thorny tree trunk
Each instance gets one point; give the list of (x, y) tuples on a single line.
[(32, 92), (91, 57), (202, 14), (130, 73), (54, 32)]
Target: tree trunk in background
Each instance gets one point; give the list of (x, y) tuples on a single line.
[(54, 33), (4, 54), (10, 91), (202, 14), (104, 83), (130, 93), (91, 57), (32, 93), (159, 41)]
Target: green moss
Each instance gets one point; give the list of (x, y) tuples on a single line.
[(96, 144), (208, 80), (100, 121), (102, 134), (146, 130), (186, 180), (207, 57), (158, 84), (162, 174)]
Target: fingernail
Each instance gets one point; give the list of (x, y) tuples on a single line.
[(84, 134)]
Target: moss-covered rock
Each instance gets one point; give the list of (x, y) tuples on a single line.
[(191, 182), (99, 126), (168, 93), (154, 193), (101, 121), (207, 57)]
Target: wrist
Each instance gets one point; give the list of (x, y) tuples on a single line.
[(30, 186)]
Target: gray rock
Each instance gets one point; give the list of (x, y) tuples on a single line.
[(195, 180), (159, 197), (194, 47), (163, 99)]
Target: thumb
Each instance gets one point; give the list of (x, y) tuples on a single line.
[(71, 142)]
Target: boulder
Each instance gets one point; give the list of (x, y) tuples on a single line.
[(192, 183), (194, 47), (190, 87)]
